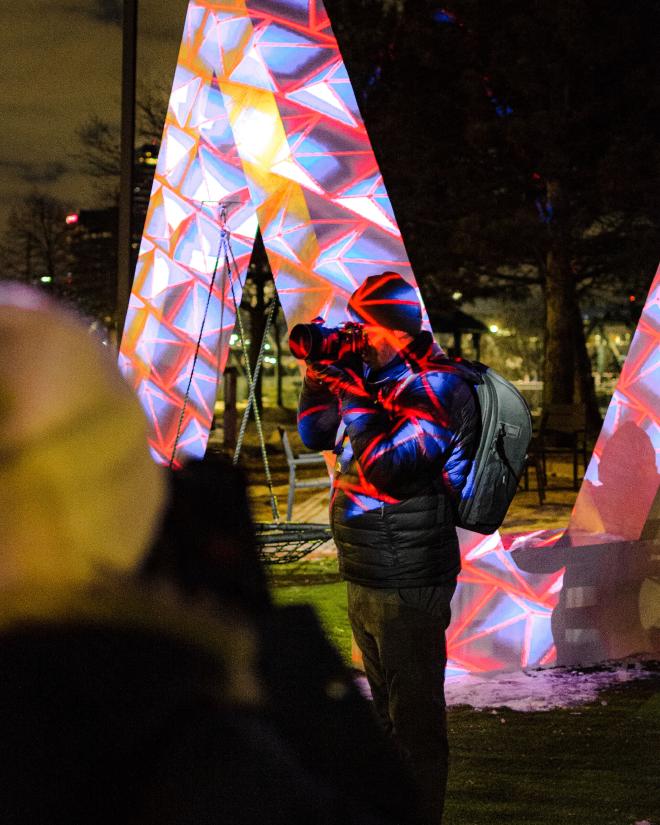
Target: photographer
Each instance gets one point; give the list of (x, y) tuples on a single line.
[(404, 426)]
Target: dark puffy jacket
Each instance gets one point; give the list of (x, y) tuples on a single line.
[(404, 455)]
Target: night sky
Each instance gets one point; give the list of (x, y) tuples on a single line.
[(60, 64)]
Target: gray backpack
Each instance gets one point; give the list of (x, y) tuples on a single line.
[(499, 461)]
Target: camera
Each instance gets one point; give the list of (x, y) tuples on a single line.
[(314, 342)]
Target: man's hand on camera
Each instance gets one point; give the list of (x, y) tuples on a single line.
[(343, 381)]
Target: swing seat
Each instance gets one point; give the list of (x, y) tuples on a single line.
[(288, 542)]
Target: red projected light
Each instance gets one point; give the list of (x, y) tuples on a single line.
[(263, 120), (72, 218)]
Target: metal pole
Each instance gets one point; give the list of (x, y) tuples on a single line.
[(124, 230)]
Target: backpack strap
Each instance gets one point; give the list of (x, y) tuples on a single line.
[(471, 371)]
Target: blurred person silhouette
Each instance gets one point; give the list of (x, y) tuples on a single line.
[(206, 540), (206, 546), (119, 702)]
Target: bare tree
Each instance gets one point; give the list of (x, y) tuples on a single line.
[(34, 243), (99, 138)]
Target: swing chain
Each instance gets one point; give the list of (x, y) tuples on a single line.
[(278, 544), (255, 378), (186, 396)]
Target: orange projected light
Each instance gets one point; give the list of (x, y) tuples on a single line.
[(263, 125)]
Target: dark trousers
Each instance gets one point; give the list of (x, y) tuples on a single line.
[(401, 634)]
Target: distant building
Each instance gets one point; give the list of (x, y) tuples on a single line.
[(146, 158), (92, 279), (92, 243)]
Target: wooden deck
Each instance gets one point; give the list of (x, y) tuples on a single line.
[(312, 508)]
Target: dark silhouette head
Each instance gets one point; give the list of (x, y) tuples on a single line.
[(207, 543)]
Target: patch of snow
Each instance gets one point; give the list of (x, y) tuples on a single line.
[(534, 690)]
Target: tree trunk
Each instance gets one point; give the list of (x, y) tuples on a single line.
[(567, 367), (561, 301), (560, 362), (584, 383)]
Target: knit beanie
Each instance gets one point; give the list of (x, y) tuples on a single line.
[(78, 488), (388, 301)]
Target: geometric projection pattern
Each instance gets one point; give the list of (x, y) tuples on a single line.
[(614, 502), (622, 479), (262, 117), (500, 615), (263, 120)]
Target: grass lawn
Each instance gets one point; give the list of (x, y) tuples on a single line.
[(598, 763), (316, 583)]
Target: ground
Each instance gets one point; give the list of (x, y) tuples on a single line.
[(596, 762), (579, 747)]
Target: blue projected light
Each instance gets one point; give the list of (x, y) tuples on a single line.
[(443, 16)]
